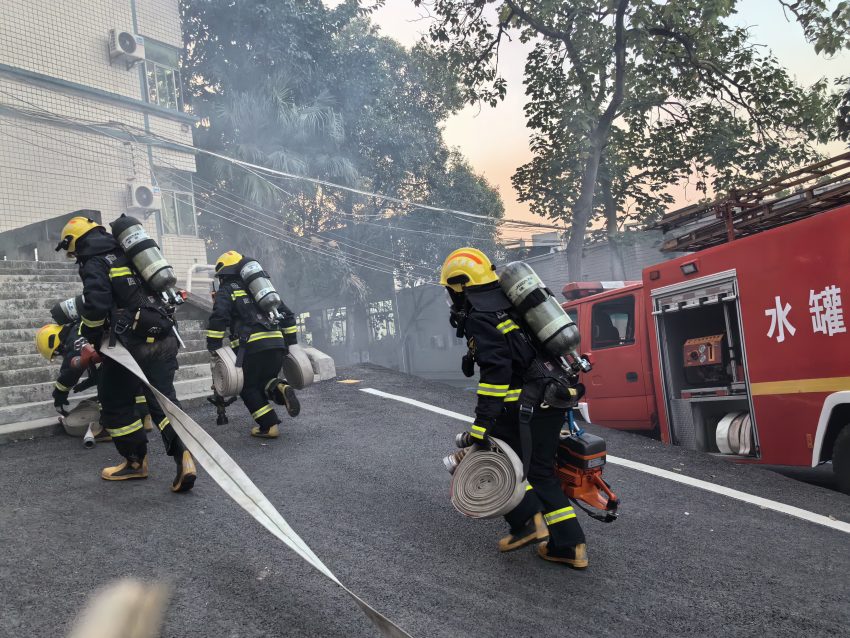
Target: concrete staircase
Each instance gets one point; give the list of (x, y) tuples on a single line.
[(27, 292)]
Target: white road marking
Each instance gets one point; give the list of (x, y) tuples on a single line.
[(765, 503)]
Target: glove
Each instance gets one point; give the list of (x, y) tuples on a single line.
[(85, 385), (60, 399), (479, 428), (88, 355), (467, 365)]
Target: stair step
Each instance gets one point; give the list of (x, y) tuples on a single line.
[(191, 329), (24, 412), (63, 277), (193, 341), (29, 392), (29, 323), (43, 372), (18, 264), (28, 305), (39, 290)]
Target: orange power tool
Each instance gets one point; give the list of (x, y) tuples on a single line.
[(579, 464)]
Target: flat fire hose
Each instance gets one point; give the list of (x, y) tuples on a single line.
[(488, 481), (233, 480)]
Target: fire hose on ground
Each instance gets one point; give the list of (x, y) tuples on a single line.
[(236, 484)]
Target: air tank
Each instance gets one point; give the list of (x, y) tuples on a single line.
[(542, 313), (67, 311), (260, 286), (144, 253)]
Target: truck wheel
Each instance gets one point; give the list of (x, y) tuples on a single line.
[(841, 459)]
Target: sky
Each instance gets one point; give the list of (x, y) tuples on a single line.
[(495, 140)]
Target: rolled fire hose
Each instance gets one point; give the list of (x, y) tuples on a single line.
[(487, 482), (236, 484), (77, 421), (297, 369), (734, 433), (227, 378)]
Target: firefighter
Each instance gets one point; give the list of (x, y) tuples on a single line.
[(262, 344), (504, 352), (52, 339), (118, 305)]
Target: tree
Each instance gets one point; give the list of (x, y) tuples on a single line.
[(299, 88), (626, 97)]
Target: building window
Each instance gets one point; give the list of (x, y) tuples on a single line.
[(178, 214), (612, 323), (381, 320), (305, 334), (335, 318), (178, 203), (162, 77)]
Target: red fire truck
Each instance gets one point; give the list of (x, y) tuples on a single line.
[(740, 348)]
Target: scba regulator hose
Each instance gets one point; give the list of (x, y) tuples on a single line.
[(487, 482)]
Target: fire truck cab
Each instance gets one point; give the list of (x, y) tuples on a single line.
[(740, 349)]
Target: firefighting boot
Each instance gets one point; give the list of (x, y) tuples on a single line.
[(283, 394), (147, 423), (533, 531), (575, 556), (272, 433), (186, 472), (131, 468)]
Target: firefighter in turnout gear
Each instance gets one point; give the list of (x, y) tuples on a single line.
[(262, 344), (504, 353), (54, 339), (118, 305)]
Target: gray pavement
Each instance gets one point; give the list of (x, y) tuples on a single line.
[(360, 479)]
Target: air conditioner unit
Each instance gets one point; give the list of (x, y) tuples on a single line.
[(127, 46), (142, 197)]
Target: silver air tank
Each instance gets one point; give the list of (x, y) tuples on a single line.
[(67, 311), (260, 287), (542, 314), (144, 253)]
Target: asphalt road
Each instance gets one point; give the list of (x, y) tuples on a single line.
[(359, 477)]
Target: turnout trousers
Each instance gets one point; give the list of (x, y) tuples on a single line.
[(119, 389), (545, 494), (259, 369)]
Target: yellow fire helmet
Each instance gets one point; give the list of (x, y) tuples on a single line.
[(467, 267), (47, 340), (224, 264), (73, 230)]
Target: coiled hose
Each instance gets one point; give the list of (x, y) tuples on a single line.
[(487, 482)]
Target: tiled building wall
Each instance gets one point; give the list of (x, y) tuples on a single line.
[(160, 20), (67, 40), (49, 169)]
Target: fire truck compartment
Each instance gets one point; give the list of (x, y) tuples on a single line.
[(702, 365)]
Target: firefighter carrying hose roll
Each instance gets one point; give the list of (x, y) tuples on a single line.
[(118, 304), (507, 358), (263, 342), (52, 339)]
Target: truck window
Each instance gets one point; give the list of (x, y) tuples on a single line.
[(613, 323), (573, 315)]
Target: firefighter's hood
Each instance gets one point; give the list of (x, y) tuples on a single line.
[(487, 298)]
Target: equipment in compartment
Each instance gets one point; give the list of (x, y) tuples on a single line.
[(704, 361), (734, 434)]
